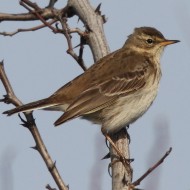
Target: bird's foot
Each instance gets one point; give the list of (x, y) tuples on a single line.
[(120, 157), (124, 161)]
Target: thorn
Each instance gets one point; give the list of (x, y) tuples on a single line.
[(104, 19), (97, 10), (6, 99), (34, 147), (131, 160), (24, 125), (106, 156), (49, 187), (77, 46), (52, 167)]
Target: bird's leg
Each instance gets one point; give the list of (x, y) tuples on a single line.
[(113, 145), (122, 158)]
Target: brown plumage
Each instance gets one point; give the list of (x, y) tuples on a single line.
[(117, 89)]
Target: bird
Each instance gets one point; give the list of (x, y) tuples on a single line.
[(116, 90)]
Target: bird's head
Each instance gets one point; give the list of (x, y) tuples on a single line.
[(149, 40)]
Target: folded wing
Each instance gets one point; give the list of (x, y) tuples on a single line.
[(104, 95)]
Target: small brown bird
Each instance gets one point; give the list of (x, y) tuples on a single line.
[(116, 90)]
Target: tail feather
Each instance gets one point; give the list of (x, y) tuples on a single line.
[(40, 104)]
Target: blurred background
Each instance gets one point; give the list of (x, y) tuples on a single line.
[(37, 65)]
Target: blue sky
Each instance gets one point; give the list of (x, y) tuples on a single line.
[(37, 64)]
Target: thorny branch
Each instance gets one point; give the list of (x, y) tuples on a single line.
[(138, 181), (62, 18), (66, 32), (57, 16), (10, 97)]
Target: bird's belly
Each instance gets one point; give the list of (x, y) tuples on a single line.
[(126, 110)]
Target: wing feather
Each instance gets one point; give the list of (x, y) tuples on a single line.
[(104, 95)]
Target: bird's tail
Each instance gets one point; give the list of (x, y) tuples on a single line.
[(40, 104)]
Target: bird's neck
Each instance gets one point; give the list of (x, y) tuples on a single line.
[(153, 55)]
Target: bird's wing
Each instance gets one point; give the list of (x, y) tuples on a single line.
[(104, 94)]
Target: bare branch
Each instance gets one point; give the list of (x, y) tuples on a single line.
[(27, 29), (31, 126), (138, 181), (60, 15), (94, 25), (37, 11), (78, 31), (10, 93), (70, 51), (46, 14)]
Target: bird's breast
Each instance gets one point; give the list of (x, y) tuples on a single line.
[(128, 109)]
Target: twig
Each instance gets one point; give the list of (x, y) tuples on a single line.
[(37, 11), (138, 181), (81, 49), (27, 29), (66, 32), (60, 15), (31, 126), (10, 93), (25, 6), (30, 4), (78, 31)]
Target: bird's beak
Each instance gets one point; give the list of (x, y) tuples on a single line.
[(168, 42)]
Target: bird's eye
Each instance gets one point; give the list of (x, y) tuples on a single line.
[(149, 41)]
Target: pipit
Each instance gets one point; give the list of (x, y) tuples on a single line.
[(116, 90)]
